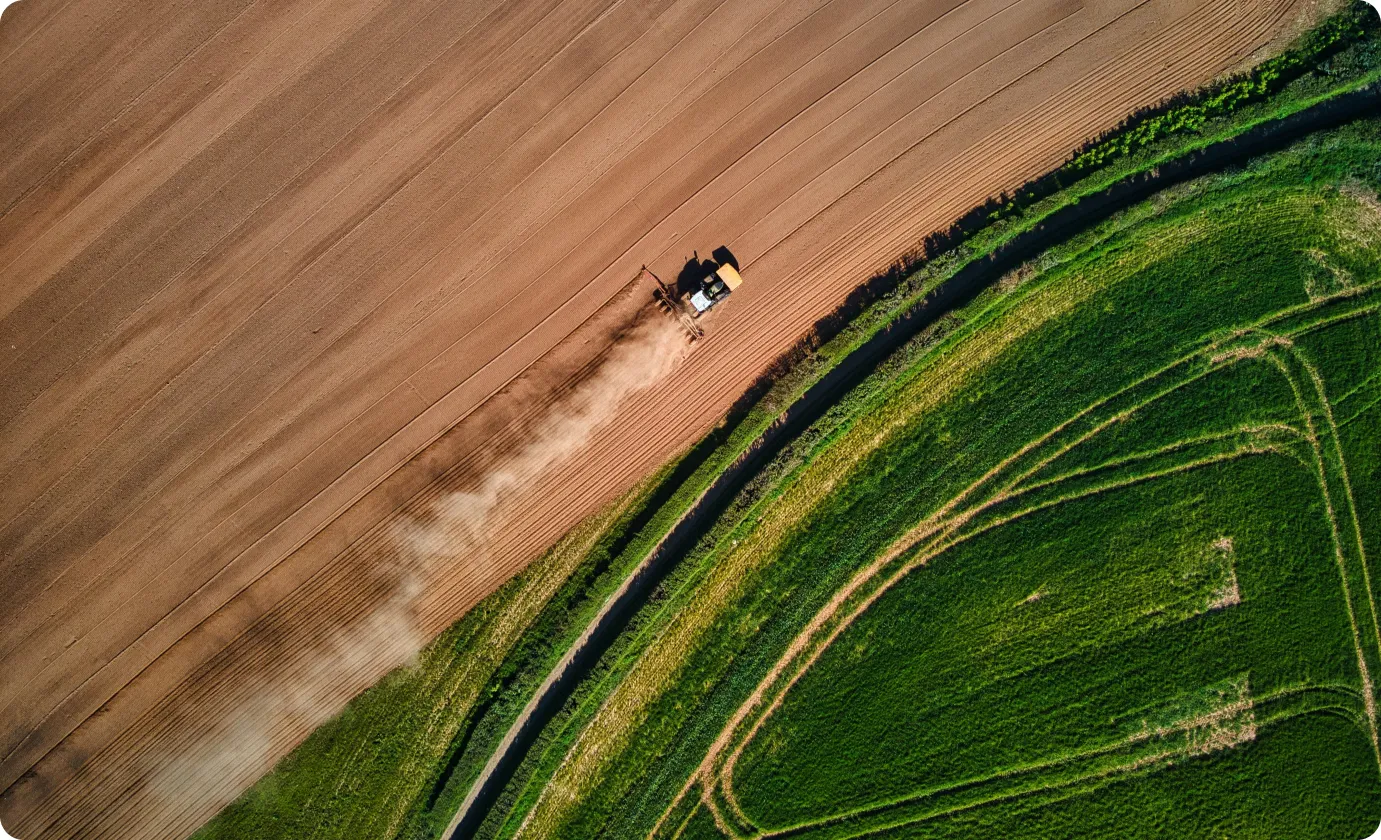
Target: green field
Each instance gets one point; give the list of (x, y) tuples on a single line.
[(1100, 557), (1154, 562), (1087, 557)]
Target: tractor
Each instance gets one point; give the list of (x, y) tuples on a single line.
[(709, 283)]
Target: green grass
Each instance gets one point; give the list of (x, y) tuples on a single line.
[(953, 678), (949, 694), (1251, 791)]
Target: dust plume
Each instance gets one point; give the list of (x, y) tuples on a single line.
[(456, 527), (242, 746), (431, 538)]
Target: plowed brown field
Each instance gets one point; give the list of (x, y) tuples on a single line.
[(264, 266)]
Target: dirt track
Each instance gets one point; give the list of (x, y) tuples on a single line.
[(257, 257)]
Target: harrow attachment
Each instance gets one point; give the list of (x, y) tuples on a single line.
[(669, 302)]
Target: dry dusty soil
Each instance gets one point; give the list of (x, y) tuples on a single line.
[(270, 269)]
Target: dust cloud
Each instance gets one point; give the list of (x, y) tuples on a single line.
[(457, 526), (242, 746), (454, 529)]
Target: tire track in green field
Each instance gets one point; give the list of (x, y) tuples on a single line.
[(948, 527), (1330, 464)]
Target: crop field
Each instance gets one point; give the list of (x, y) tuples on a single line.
[(1098, 562)]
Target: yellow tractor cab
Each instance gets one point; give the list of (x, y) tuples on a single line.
[(716, 287)]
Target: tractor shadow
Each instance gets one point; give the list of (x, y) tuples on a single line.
[(692, 275)]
